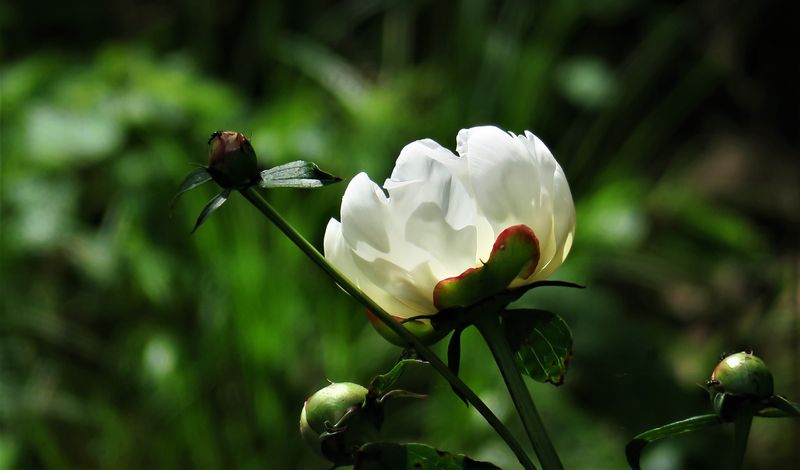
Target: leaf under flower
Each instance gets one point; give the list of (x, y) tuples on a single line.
[(542, 343)]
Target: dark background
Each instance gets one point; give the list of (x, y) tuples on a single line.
[(127, 343)]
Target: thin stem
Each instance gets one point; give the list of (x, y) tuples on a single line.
[(258, 201), (741, 431), (491, 330)]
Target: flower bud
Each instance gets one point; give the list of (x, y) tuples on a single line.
[(742, 374), (322, 427), (231, 160)]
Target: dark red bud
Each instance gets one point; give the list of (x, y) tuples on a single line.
[(231, 159)]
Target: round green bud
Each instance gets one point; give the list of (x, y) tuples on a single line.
[(322, 425), (744, 375), (231, 160)]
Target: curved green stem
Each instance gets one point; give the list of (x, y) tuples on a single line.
[(741, 432), (258, 201), (491, 330)]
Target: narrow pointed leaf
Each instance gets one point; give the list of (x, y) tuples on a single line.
[(541, 341), (512, 295), (553, 284), (395, 456), (381, 384), (780, 407), (298, 174), (212, 205), (397, 393), (192, 180), (454, 358), (633, 451)]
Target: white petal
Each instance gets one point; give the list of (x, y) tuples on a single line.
[(564, 223), (436, 213), (374, 246), (427, 172), (417, 157), (365, 216), (542, 203), (336, 250), (409, 291), (372, 277), (507, 182)]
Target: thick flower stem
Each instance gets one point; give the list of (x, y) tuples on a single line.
[(741, 434), (258, 201), (491, 330)]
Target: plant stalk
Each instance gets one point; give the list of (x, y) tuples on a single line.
[(741, 432), (263, 206), (490, 328)]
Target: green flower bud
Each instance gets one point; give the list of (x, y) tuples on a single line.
[(231, 160), (335, 422), (744, 375)]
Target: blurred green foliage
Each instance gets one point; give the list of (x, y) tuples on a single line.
[(126, 343)]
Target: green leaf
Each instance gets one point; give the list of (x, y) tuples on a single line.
[(381, 384), (779, 407), (633, 450), (394, 456), (541, 341), (297, 174), (212, 205), (192, 180)]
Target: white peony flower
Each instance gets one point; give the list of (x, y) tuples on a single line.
[(444, 213)]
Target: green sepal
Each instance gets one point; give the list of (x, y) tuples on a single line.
[(633, 450), (215, 203), (453, 318), (297, 174), (395, 456), (541, 342), (192, 180), (515, 254), (422, 329)]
